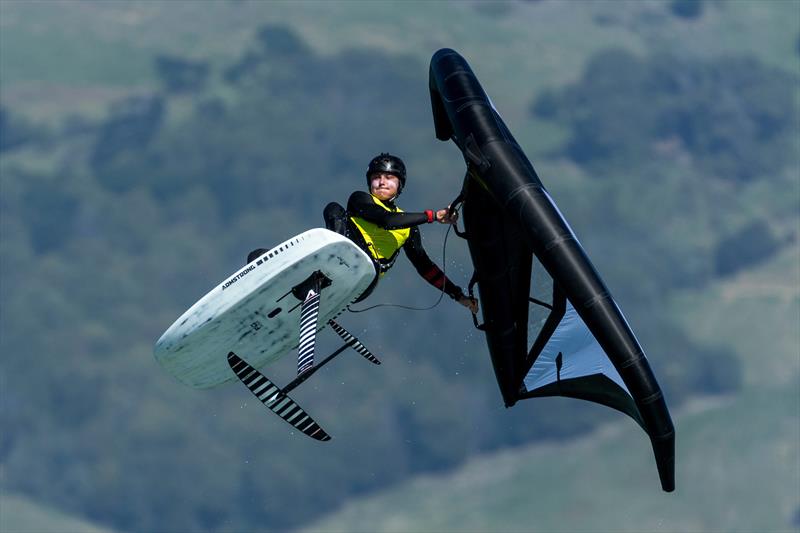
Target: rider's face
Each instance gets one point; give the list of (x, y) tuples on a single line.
[(384, 186)]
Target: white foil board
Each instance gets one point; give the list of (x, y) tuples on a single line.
[(253, 311)]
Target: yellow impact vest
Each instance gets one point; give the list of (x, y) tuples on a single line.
[(384, 244)]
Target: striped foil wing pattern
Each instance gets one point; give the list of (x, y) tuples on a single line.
[(275, 399), (309, 313), (353, 342)]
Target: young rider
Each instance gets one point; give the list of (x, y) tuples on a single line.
[(381, 229)]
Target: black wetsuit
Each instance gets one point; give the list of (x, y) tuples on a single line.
[(362, 204)]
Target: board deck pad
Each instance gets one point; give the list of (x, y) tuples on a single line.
[(254, 313)]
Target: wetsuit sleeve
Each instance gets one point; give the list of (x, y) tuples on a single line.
[(361, 205), (426, 268)]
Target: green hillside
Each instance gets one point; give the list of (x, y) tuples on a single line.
[(730, 450), (147, 146), (22, 515), (73, 49), (737, 470), (755, 315)]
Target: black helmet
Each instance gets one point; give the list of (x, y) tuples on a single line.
[(389, 164)]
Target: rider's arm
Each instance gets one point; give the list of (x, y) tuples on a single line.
[(426, 268), (361, 205)]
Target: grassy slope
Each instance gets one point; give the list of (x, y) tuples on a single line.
[(738, 457), (737, 470), (755, 314), (21, 515), (60, 42), (61, 72), (61, 57)]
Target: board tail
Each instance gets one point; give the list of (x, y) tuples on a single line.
[(309, 314), (275, 398), (353, 342)]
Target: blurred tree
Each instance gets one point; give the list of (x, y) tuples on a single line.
[(734, 116), (179, 75), (749, 246), (284, 121), (46, 205), (116, 158), (15, 131), (273, 45), (687, 9)]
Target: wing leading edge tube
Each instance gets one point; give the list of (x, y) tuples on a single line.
[(584, 347)]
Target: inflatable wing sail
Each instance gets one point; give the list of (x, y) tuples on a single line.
[(551, 325)]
